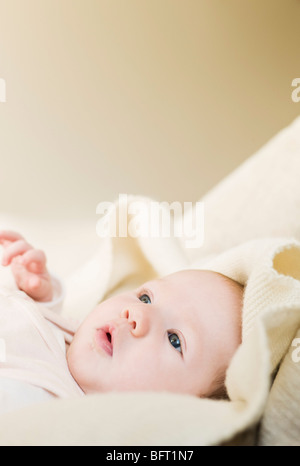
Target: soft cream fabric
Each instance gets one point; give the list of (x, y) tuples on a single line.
[(252, 228)]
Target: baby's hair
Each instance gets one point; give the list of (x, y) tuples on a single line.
[(237, 287), (233, 283), (219, 391)]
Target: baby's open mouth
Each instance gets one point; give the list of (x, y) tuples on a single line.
[(104, 341)]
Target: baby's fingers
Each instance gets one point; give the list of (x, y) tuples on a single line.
[(34, 260), (11, 236), (15, 249)]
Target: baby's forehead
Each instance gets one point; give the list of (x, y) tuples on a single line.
[(190, 277), (184, 278), (194, 280)]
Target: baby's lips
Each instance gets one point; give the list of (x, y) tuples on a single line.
[(105, 338), (106, 335), (111, 331)]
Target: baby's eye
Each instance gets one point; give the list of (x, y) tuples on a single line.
[(175, 341), (145, 299)]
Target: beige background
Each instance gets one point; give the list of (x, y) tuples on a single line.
[(155, 97)]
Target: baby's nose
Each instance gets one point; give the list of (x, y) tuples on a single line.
[(138, 319)]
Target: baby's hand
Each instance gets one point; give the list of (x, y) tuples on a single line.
[(28, 266)]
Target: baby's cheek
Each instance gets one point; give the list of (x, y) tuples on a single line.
[(72, 360), (77, 362), (79, 370)]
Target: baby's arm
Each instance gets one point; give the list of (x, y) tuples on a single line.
[(28, 266)]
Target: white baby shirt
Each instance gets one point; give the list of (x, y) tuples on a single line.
[(33, 338)]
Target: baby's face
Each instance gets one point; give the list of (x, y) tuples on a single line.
[(177, 334)]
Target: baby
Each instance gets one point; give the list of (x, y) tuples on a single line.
[(177, 333)]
